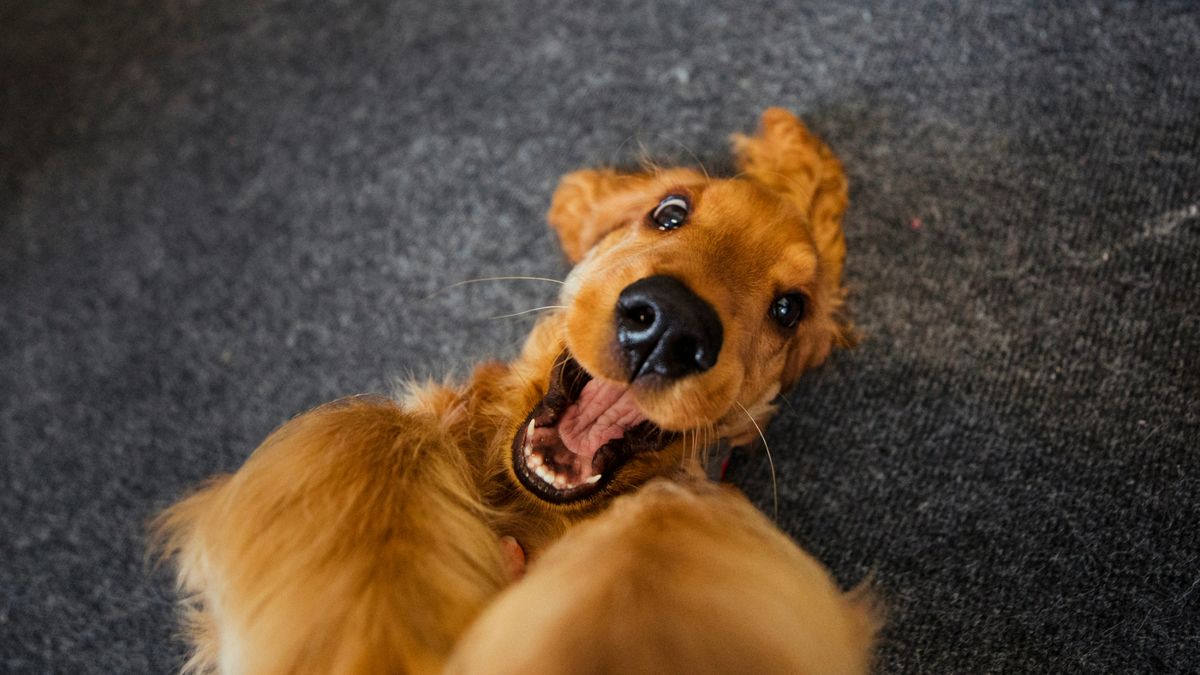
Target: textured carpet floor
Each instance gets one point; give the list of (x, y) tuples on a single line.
[(216, 214)]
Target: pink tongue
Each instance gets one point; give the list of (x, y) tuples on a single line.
[(603, 412)]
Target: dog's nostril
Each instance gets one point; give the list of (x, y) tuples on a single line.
[(639, 316)]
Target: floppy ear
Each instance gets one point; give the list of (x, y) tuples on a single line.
[(591, 203), (582, 210), (786, 157)]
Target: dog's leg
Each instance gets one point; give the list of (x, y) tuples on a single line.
[(353, 540)]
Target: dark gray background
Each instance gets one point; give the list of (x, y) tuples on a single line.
[(216, 214)]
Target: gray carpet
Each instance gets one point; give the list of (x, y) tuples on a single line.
[(216, 214)]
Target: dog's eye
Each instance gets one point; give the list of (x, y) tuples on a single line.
[(787, 309), (671, 213)]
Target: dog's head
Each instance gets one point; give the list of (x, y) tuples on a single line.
[(693, 302)]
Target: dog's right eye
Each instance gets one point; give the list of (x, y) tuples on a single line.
[(787, 309), (671, 213)]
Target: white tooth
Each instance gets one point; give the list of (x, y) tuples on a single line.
[(560, 482), (528, 451), (529, 432), (593, 480), (534, 460), (545, 473)]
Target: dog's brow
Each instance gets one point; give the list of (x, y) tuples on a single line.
[(800, 260)]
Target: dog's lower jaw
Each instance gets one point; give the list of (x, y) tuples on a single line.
[(576, 441)]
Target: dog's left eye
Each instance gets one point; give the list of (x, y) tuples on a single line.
[(671, 213), (787, 309)]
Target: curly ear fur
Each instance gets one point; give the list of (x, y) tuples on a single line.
[(573, 209), (591, 203), (786, 157)]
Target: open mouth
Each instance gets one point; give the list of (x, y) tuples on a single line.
[(580, 435)]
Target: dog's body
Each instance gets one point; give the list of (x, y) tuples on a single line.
[(681, 576), (365, 535)]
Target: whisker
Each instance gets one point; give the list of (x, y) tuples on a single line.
[(697, 449), (528, 311), (696, 157), (770, 460), (645, 160), (786, 400), (709, 434), (616, 156), (558, 358), (482, 279), (580, 373), (513, 278)]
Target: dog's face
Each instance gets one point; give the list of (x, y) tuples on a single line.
[(693, 303)]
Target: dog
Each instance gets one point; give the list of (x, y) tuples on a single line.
[(681, 576), (365, 535)]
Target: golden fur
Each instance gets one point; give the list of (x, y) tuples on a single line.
[(365, 535), (681, 576)]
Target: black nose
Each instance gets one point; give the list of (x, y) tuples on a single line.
[(665, 328)]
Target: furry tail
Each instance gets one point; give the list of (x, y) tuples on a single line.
[(352, 541)]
